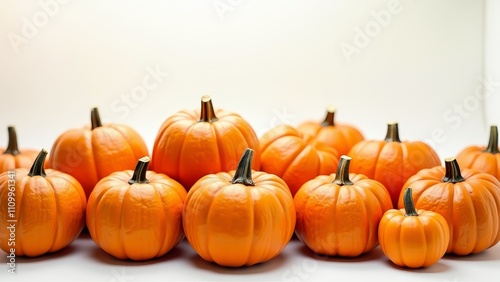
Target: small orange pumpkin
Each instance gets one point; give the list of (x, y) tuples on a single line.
[(392, 161), (12, 157), (240, 217), (485, 158), (468, 199), (91, 153), (44, 209), (136, 214), (342, 137), (191, 144), (413, 238), (338, 214), (295, 157)]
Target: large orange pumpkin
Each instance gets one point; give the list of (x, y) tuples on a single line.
[(91, 153), (485, 158), (191, 144), (392, 161), (338, 214), (241, 217), (12, 157), (468, 199), (342, 137), (41, 211), (295, 157), (136, 214), (413, 238)]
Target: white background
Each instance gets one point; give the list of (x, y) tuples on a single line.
[(271, 61)]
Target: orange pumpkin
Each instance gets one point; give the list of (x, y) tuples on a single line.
[(12, 157), (295, 157), (41, 211), (240, 217), (338, 214), (136, 214), (91, 153), (468, 199), (342, 137), (392, 161), (413, 238), (485, 158), (191, 144)]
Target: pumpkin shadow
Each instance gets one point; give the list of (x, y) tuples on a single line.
[(267, 266), (486, 255), (438, 267), (369, 256), (66, 251), (100, 255)]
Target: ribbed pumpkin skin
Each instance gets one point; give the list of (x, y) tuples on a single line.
[(340, 136), (187, 149), (413, 241), (50, 212), (235, 225), (484, 158), (471, 208), (392, 162), (139, 221), (295, 157), (91, 154), (340, 220), (12, 157)]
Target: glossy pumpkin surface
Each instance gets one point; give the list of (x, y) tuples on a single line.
[(12, 157), (468, 199), (49, 210), (413, 238), (340, 136), (91, 153), (136, 214), (338, 214), (485, 158), (392, 161), (295, 157), (239, 218), (192, 144)]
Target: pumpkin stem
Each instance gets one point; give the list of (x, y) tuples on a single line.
[(408, 203), (95, 118), (207, 110), (342, 174), (141, 168), (452, 173), (37, 167), (330, 115), (243, 174), (392, 132), (493, 142), (12, 147)]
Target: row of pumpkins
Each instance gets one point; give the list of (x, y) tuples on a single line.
[(238, 199)]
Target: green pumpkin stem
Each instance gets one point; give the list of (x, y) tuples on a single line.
[(95, 119), (207, 110), (12, 147), (452, 174), (243, 174), (493, 142), (342, 174), (330, 116), (392, 133), (141, 168), (408, 203), (37, 167)]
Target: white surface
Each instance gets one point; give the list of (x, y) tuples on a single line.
[(271, 61), (83, 261)]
